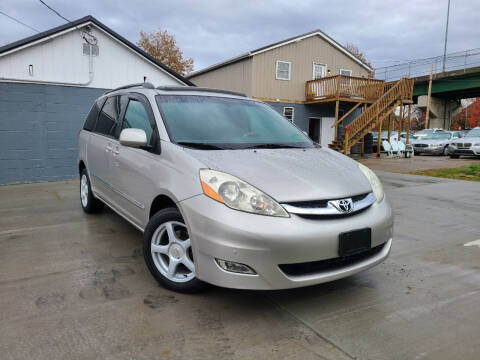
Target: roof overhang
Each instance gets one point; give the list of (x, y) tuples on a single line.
[(263, 49)]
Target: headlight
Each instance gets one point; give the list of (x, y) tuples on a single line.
[(238, 195), (374, 182)]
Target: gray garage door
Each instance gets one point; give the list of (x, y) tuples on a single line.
[(38, 130)]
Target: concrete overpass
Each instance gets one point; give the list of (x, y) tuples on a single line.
[(455, 77)]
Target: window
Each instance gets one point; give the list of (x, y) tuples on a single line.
[(136, 117), (108, 118), (283, 70), (93, 115), (345, 72), (288, 112), (319, 71)]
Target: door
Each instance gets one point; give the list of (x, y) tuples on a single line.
[(135, 175), (314, 129), (319, 71), (100, 146)]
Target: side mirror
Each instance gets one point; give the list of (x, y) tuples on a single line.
[(133, 138)]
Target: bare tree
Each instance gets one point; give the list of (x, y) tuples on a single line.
[(359, 55)]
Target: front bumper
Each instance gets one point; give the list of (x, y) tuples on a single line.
[(265, 242), (473, 150), (429, 150)]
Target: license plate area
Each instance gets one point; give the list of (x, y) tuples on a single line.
[(354, 242)]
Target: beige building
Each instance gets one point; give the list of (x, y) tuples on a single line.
[(295, 76)]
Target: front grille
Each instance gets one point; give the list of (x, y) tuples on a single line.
[(314, 267), (312, 204), (421, 145), (324, 209)]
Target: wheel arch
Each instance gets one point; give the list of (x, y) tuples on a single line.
[(81, 166), (161, 201)]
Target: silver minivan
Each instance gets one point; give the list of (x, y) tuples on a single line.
[(227, 191)]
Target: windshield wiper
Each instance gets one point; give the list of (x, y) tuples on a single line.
[(274, 146), (203, 146)]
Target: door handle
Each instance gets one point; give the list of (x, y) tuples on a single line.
[(116, 151), (108, 147)]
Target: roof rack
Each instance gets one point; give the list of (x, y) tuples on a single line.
[(195, 88), (145, 85)]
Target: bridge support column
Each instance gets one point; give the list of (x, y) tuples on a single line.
[(441, 111)]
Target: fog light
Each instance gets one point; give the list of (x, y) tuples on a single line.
[(235, 267)]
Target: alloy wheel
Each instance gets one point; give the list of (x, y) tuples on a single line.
[(172, 251), (84, 190)]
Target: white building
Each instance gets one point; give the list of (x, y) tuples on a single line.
[(48, 83)]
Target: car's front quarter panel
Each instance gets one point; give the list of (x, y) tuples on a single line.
[(173, 173)]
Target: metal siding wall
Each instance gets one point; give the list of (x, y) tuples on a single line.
[(234, 77), (62, 60), (38, 130), (302, 55)]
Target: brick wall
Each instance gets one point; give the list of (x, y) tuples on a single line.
[(38, 130)]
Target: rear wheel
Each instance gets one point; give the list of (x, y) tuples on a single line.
[(90, 204), (167, 250)]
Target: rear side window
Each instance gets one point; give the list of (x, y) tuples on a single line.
[(92, 115), (108, 118), (136, 117)]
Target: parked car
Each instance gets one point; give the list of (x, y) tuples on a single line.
[(467, 145), (456, 134), (227, 191), (436, 143), (425, 132)]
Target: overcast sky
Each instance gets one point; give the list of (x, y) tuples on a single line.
[(387, 31)]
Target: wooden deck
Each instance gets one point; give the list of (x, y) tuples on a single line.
[(344, 88)]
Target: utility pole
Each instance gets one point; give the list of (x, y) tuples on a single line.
[(427, 115), (446, 37)]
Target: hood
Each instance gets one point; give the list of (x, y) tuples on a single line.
[(290, 174), (432, 141), (472, 140)]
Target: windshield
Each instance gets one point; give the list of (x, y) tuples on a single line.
[(473, 133), (213, 123), (424, 132), (438, 136)]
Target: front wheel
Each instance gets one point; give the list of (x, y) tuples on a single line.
[(90, 204), (454, 156), (167, 250)]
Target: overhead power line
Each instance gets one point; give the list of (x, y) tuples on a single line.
[(55, 11), (18, 21)]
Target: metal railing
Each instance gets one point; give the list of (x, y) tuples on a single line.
[(455, 61)]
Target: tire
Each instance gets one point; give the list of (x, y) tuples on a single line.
[(170, 261), (416, 153), (454, 156), (90, 204)]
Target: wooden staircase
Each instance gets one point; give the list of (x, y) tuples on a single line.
[(395, 94)]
